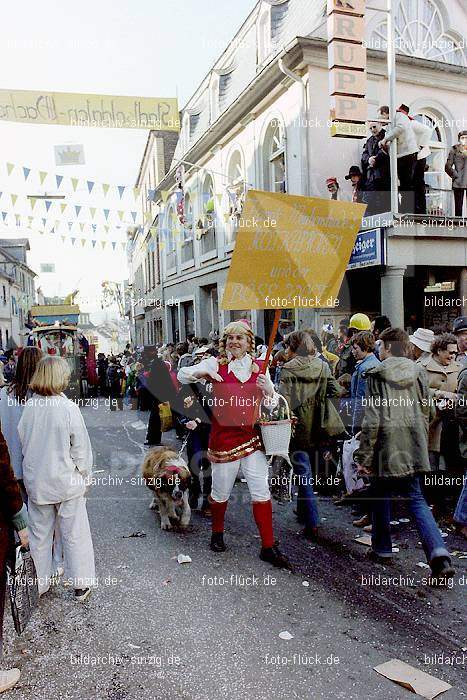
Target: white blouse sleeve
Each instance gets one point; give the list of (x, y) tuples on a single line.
[(185, 374), (80, 444)]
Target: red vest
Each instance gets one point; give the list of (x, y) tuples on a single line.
[(234, 403)]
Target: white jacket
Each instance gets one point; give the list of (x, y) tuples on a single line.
[(423, 134), (405, 135), (57, 453)]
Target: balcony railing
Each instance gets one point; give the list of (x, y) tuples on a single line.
[(440, 202)]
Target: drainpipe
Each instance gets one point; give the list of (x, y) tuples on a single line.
[(304, 117)]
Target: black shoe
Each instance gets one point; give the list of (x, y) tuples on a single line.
[(81, 594), (193, 501), (441, 571), (274, 556), (217, 542), (300, 519), (310, 533), (377, 558)]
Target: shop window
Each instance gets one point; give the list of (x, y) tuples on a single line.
[(274, 158), (420, 32)]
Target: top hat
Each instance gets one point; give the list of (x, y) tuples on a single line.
[(353, 170)]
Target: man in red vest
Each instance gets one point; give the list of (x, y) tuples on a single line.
[(239, 384)]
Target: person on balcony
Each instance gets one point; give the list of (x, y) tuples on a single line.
[(456, 168), (376, 172), (407, 151), (423, 134)]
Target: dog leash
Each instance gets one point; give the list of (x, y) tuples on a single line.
[(184, 443)]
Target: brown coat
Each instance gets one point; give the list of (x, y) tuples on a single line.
[(11, 503), (443, 378)]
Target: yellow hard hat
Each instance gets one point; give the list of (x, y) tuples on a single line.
[(361, 322)]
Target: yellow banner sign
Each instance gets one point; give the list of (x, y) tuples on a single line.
[(290, 252), (104, 111)]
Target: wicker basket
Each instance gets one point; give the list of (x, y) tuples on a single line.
[(276, 434)]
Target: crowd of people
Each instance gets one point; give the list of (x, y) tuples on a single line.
[(397, 401), (371, 179)]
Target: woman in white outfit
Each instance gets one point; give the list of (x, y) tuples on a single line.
[(57, 458)]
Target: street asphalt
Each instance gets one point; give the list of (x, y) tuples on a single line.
[(211, 628)]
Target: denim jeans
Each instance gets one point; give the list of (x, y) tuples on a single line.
[(460, 514), (408, 487), (307, 508)]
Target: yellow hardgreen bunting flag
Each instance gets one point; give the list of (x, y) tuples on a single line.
[(83, 242), (120, 215), (93, 212), (105, 189), (42, 176), (74, 182), (30, 220), (63, 239), (136, 192), (193, 196), (63, 207), (33, 201), (219, 198), (18, 219), (123, 244), (165, 195), (107, 227), (103, 244), (9, 167), (148, 217), (14, 197), (81, 227), (226, 218)]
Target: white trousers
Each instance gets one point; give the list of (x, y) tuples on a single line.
[(72, 520), (255, 470)]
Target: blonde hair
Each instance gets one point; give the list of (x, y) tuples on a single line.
[(51, 376), (232, 328)]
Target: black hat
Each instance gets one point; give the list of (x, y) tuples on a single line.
[(353, 170), (404, 108), (459, 324)]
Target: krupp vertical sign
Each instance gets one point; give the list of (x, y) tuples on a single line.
[(347, 67)]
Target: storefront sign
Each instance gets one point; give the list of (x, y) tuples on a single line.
[(105, 111), (368, 249), (290, 252), (347, 64)]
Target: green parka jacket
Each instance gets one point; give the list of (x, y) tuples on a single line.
[(306, 382), (394, 437)]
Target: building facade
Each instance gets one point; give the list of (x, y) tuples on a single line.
[(260, 119), (144, 302), (17, 291)]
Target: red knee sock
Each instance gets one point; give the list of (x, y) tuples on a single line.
[(218, 514), (262, 512)]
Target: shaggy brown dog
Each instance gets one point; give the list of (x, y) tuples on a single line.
[(168, 476)]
